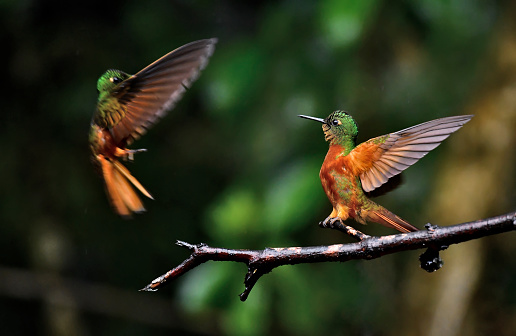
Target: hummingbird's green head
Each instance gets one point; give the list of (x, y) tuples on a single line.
[(339, 127), (110, 79)]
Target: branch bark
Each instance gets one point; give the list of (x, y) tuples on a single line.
[(260, 262)]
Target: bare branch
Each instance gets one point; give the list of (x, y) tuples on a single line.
[(260, 262)]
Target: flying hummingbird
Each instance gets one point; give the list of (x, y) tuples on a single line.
[(350, 171), (128, 105)]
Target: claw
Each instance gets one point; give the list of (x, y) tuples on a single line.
[(329, 222), (128, 154), (324, 223)]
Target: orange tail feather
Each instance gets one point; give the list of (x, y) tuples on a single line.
[(122, 195), (387, 218)]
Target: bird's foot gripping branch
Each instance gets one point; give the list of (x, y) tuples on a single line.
[(260, 262), (338, 224)]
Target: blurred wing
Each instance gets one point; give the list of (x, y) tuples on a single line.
[(397, 151), (150, 93)]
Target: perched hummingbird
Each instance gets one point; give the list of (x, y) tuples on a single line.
[(348, 171), (128, 105)]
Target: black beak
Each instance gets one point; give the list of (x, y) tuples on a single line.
[(313, 118)]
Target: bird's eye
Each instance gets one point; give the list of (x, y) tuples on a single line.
[(335, 122), (115, 80)]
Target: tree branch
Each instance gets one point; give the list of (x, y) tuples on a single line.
[(260, 262)]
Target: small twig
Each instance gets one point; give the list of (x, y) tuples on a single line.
[(260, 262), (350, 231)]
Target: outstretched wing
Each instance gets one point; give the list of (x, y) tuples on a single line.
[(395, 152), (150, 93)]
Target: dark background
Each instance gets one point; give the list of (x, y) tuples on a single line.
[(233, 166)]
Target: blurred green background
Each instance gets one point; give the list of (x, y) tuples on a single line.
[(232, 166)]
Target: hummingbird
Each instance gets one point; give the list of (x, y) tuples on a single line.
[(349, 171), (128, 105)]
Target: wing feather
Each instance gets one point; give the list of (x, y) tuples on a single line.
[(151, 92), (402, 149)]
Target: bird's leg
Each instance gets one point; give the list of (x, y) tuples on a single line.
[(338, 224), (128, 154), (131, 152)]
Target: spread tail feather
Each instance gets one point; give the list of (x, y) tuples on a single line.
[(387, 218), (122, 195)]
